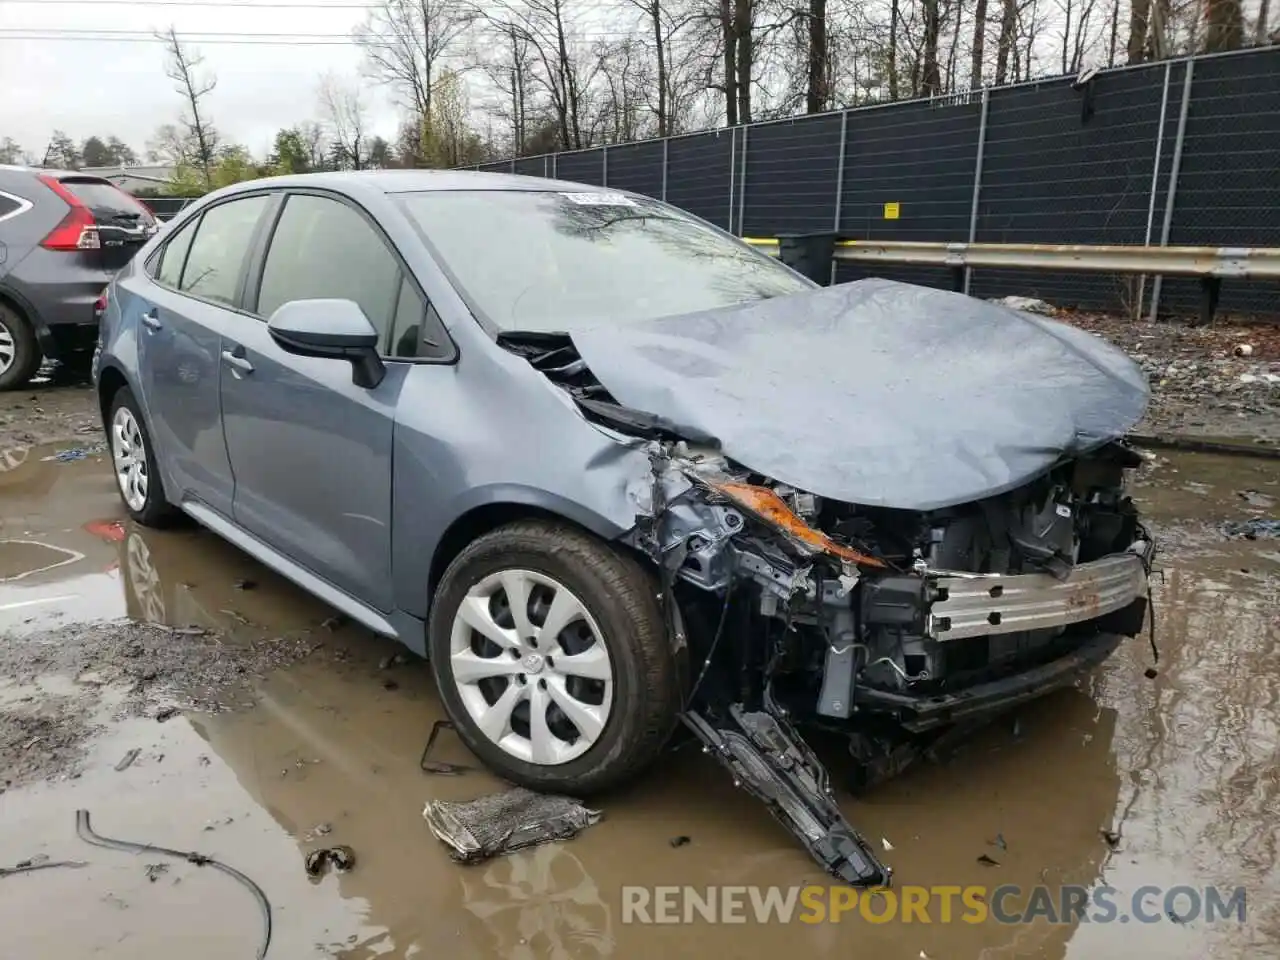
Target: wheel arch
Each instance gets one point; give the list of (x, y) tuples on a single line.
[(111, 379), (507, 506), (27, 312)]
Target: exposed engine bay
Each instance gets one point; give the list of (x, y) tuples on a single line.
[(893, 628)]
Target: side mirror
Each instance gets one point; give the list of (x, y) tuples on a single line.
[(336, 329)]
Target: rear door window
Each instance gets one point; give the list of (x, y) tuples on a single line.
[(108, 202), (215, 262), (175, 254), (323, 248)]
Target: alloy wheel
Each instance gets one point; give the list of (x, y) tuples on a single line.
[(8, 348), (129, 454), (531, 667)]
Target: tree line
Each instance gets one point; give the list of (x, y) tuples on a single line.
[(525, 77)]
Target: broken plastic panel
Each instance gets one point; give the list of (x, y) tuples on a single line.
[(769, 760), (502, 823)]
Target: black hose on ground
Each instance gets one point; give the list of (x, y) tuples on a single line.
[(85, 832)]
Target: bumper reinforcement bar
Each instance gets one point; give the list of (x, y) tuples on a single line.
[(769, 759)]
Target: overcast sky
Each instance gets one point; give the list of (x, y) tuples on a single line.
[(111, 87)]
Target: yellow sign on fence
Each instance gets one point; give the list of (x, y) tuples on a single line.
[(892, 210)]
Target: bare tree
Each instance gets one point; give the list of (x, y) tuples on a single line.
[(1007, 39), (183, 68), (1260, 30), (345, 110), (662, 21), (892, 57), (818, 95), (1139, 22), (406, 41), (979, 43), (1224, 21), (557, 60), (930, 78)]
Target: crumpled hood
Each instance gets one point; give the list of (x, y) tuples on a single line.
[(876, 392)]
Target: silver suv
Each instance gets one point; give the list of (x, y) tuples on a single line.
[(63, 235)]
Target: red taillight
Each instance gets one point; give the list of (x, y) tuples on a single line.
[(78, 230), (100, 305)]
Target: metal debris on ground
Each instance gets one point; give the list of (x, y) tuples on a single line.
[(127, 760), (342, 859), (40, 861), (502, 823), (156, 870), (999, 842), (987, 861), (1251, 529), (1027, 305), (679, 841), (1112, 838), (884, 842), (166, 713), (75, 453), (439, 766), (246, 584), (84, 830)]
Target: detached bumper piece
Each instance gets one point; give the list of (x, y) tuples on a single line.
[(768, 759)]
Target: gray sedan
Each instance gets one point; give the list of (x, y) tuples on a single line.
[(610, 469)]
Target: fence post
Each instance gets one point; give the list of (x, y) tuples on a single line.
[(977, 176), (546, 162), (835, 216), (733, 170), (1173, 179), (742, 183), (1155, 182), (555, 166), (666, 142), (513, 164), (604, 166)]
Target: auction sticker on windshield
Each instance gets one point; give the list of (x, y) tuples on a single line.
[(600, 199)]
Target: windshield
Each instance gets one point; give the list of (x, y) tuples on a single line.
[(535, 261)]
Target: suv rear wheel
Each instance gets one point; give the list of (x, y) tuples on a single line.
[(19, 349), (549, 650)]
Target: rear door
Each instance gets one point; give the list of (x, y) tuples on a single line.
[(310, 450), (182, 312)]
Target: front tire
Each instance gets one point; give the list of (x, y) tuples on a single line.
[(20, 353), (133, 461), (549, 650)]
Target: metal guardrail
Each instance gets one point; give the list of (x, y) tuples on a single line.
[(1210, 264)]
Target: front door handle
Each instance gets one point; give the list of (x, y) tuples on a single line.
[(151, 320), (239, 362)]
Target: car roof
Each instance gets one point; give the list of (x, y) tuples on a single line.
[(417, 181), (54, 172)]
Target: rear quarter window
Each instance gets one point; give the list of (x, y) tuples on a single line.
[(11, 206)]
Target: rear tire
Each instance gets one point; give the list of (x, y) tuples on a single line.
[(20, 353), (133, 461), (579, 709)]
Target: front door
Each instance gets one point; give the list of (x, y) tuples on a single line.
[(182, 315), (310, 450)]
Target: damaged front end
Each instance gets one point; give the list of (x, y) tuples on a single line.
[(894, 629)]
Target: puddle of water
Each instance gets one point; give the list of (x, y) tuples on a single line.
[(1183, 766)]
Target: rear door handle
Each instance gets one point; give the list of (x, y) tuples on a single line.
[(151, 320), (239, 362)]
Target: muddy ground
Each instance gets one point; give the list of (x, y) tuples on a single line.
[(189, 698)]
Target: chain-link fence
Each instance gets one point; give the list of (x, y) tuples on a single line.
[(1177, 152)]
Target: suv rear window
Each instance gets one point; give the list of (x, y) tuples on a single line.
[(103, 197)]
